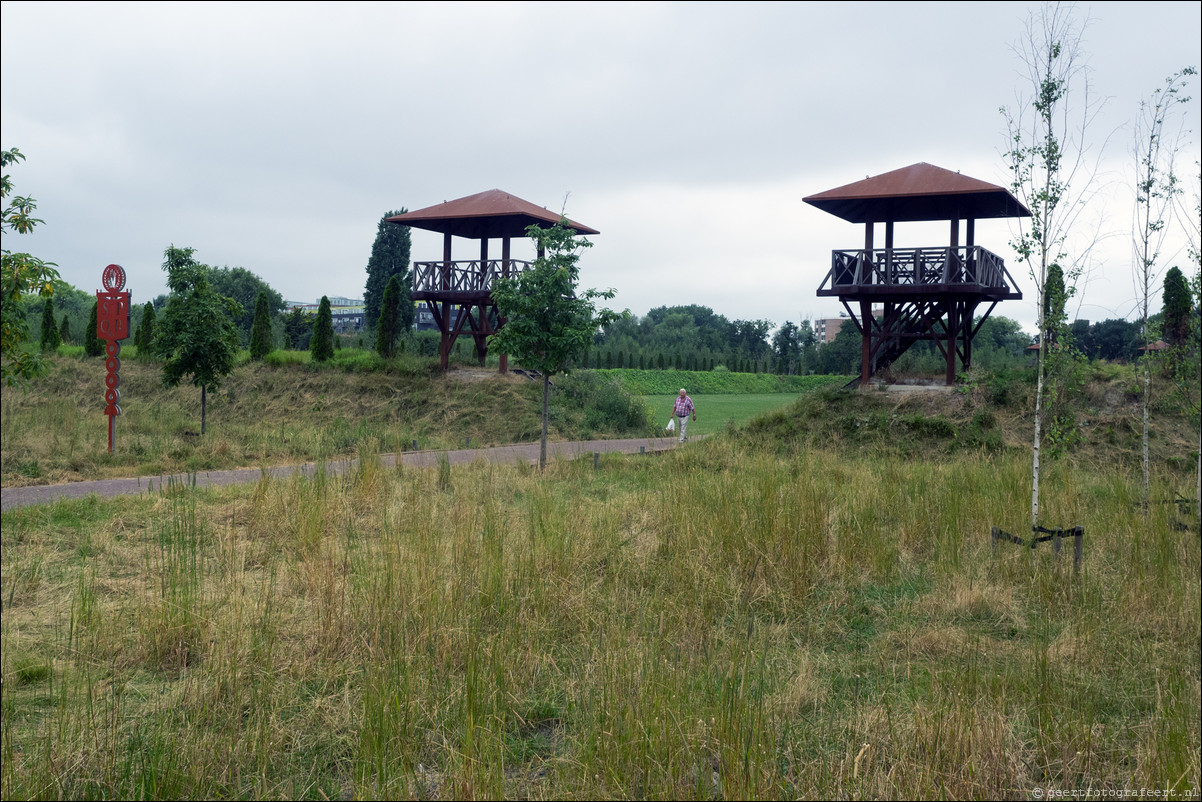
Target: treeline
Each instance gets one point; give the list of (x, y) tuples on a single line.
[(76, 307), (697, 338)]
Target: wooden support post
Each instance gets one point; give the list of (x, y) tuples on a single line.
[(1078, 547), (865, 342), (503, 359), (953, 328), (596, 459), (889, 252)]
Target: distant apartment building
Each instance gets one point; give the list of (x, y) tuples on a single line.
[(346, 313), (828, 328)]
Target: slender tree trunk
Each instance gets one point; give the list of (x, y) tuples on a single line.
[(203, 399), (1038, 420), (542, 450), (1147, 397)]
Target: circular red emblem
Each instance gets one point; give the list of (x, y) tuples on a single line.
[(114, 278)]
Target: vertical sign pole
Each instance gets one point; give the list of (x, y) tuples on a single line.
[(112, 326)]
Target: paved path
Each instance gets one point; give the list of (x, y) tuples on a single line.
[(524, 452)]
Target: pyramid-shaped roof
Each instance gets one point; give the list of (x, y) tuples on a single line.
[(485, 215), (919, 192)]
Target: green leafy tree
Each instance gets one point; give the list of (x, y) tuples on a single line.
[(196, 337), (64, 330), (547, 322), (298, 328), (260, 333), (92, 344), (389, 257), (20, 274), (389, 325), (50, 335), (245, 287), (322, 344)]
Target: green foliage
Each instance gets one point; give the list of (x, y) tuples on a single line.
[(606, 402), (197, 337), (20, 274), (144, 338), (64, 330), (389, 324), (322, 344), (50, 335), (714, 382), (298, 328), (92, 344), (260, 335), (244, 287), (548, 322), (389, 258), (1178, 304)]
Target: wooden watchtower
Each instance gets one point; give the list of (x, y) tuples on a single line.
[(459, 293), (927, 293)]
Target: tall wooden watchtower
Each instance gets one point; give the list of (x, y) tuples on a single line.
[(898, 296), (459, 293)]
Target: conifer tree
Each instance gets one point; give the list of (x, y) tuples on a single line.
[(322, 345), (50, 336), (144, 339), (260, 332), (389, 324), (92, 345), (389, 257)]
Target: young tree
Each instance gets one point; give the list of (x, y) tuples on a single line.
[(197, 336), (322, 344), (389, 257), (547, 322), (389, 325), (260, 333), (1050, 172), (20, 274), (1178, 303), (1156, 186), (92, 344), (50, 335), (64, 330), (144, 339), (298, 328)]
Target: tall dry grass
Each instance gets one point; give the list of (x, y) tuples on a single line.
[(717, 622)]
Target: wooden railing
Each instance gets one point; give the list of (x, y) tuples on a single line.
[(916, 267), (463, 276)]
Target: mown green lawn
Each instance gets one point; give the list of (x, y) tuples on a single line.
[(715, 411)]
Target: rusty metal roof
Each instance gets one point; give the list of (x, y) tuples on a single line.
[(919, 192), (485, 215)]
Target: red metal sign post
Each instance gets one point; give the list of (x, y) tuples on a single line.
[(112, 326)]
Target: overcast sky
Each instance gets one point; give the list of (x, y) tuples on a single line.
[(274, 136)]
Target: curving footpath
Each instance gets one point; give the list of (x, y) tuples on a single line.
[(523, 452)]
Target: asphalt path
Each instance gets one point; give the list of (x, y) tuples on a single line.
[(523, 452)]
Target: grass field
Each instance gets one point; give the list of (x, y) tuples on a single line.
[(716, 412), (810, 606), (719, 622)]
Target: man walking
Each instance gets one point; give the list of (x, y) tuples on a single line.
[(682, 409)]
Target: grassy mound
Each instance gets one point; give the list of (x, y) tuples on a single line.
[(287, 410)]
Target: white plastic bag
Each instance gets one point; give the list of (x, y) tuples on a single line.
[(671, 427)]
